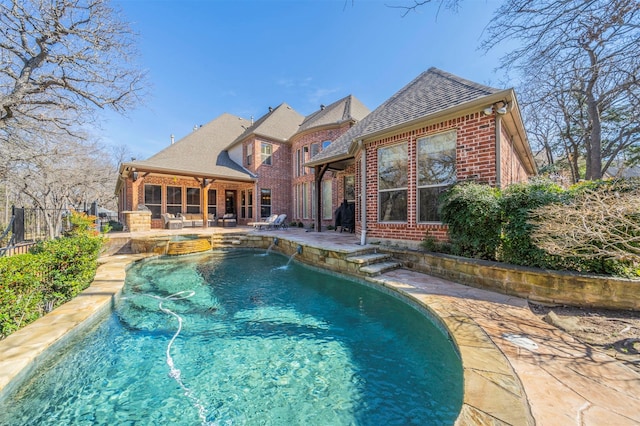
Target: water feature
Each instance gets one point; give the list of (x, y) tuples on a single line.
[(220, 338)]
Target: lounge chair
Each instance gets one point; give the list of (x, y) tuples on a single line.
[(279, 223), (266, 224)]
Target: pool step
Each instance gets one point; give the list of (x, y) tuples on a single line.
[(228, 240), (373, 264)]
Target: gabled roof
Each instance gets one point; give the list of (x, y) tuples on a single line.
[(344, 110), (201, 153), (279, 124), (431, 92)]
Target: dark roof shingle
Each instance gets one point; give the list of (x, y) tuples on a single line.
[(431, 92)]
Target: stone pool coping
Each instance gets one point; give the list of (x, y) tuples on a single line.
[(560, 381), (485, 400)]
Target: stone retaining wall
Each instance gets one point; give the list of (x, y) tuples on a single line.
[(539, 285)]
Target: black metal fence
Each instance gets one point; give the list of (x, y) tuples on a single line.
[(28, 226)]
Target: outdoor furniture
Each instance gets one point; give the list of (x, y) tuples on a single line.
[(213, 220), (229, 220), (279, 223), (345, 217), (264, 224), (190, 220), (171, 222)]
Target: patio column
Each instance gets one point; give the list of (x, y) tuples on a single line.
[(204, 202), (319, 173)]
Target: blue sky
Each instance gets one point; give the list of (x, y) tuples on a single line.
[(205, 58)]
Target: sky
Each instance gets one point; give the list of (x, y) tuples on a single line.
[(205, 58)]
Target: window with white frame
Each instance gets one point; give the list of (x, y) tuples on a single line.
[(305, 201), (266, 152), (392, 183), (305, 158), (327, 198), (265, 203), (350, 188), (436, 163), (249, 158), (246, 204)]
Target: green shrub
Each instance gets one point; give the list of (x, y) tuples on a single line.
[(472, 212), (52, 273), (516, 203), (431, 243), (21, 292), (115, 226)]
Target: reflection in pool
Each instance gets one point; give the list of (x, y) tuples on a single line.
[(232, 338)]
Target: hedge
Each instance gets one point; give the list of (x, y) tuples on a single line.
[(52, 273)]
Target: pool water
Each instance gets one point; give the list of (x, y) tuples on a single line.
[(233, 338)]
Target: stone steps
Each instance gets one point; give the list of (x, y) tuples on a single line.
[(373, 264), (379, 268)]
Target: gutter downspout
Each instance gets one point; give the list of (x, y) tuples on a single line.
[(363, 193), (498, 158)]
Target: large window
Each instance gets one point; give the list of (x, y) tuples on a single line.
[(436, 172), (212, 202), (327, 197), (249, 159), (305, 158), (174, 199), (246, 204), (265, 203), (266, 151), (305, 201), (392, 183), (153, 200), (350, 188), (193, 200)]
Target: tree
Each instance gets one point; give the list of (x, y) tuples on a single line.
[(585, 56), (62, 59), (56, 176)]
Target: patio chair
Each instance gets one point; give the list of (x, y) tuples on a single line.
[(279, 223), (171, 222), (266, 224)]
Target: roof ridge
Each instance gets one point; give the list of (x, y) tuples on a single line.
[(461, 80)]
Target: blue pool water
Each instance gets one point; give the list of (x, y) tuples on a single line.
[(232, 338)]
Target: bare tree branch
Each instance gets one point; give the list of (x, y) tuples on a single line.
[(61, 59)]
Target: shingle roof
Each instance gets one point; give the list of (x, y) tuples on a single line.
[(279, 124), (431, 92), (346, 109), (202, 152)]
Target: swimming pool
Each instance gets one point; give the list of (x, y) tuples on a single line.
[(258, 344)]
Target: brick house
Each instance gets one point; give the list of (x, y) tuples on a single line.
[(249, 169), (392, 163), (437, 130)]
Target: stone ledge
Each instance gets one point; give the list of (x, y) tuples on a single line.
[(539, 285)]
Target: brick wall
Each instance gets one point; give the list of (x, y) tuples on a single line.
[(475, 159), (135, 194), (276, 177), (511, 167), (298, 143)]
